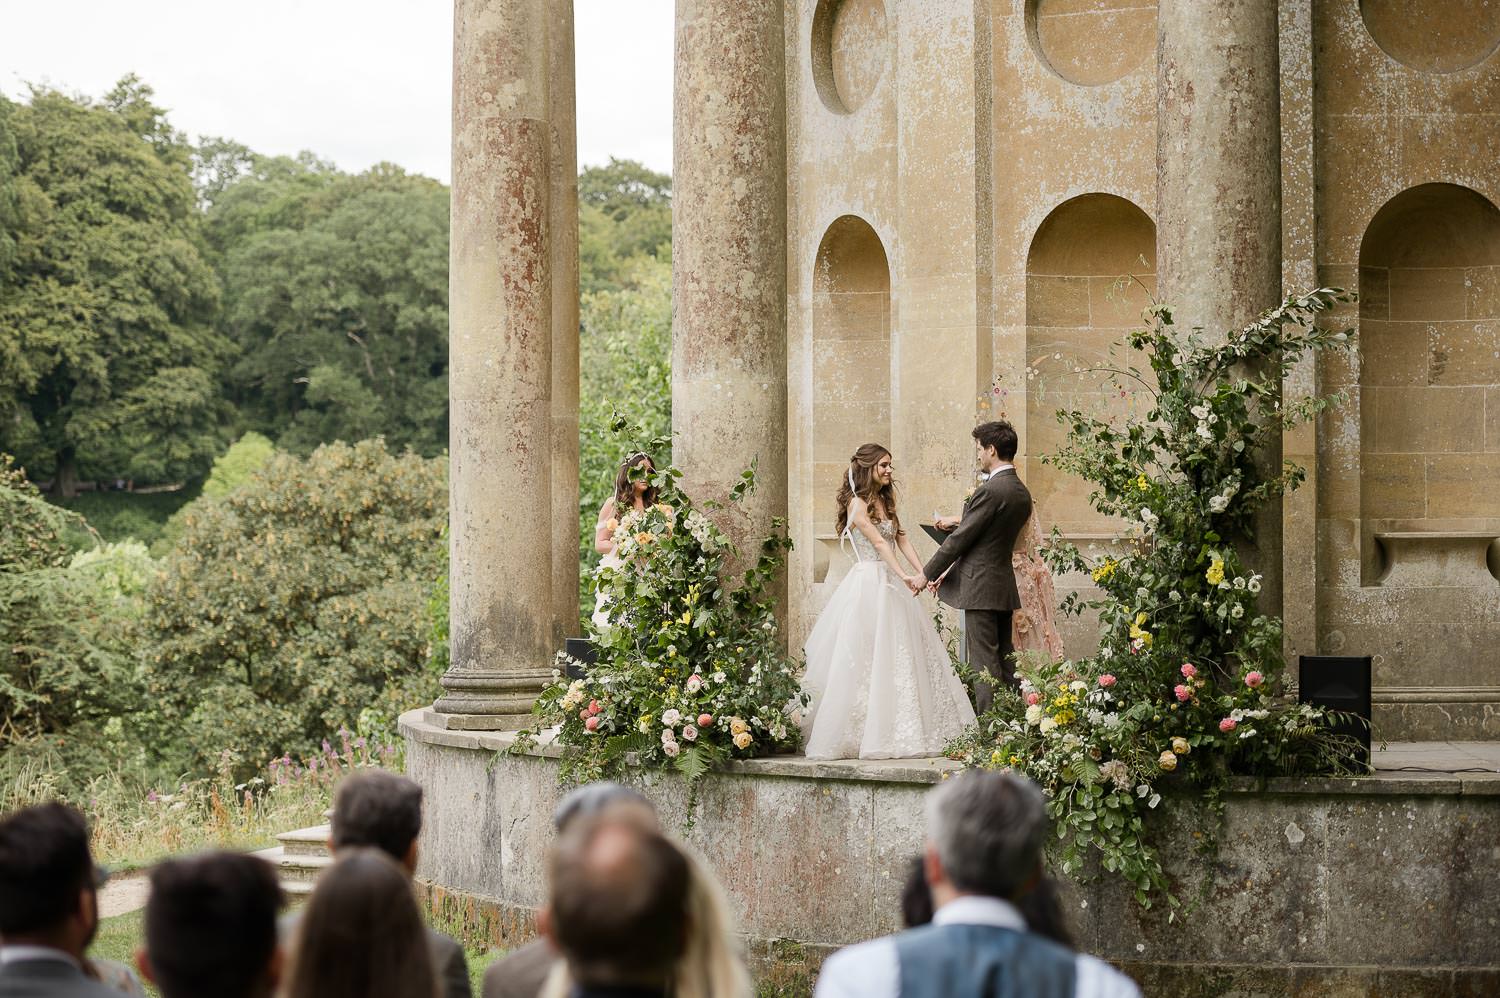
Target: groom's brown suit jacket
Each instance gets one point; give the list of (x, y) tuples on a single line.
[(982, 544)]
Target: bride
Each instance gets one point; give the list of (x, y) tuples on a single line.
[(881, 682)]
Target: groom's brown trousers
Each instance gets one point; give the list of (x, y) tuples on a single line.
[(990, 650)]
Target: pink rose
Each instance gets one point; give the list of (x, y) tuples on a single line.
[(593, 706), (584, 715), (1107, 680), (1227, 725), (1033, 698), (704, 720), (1254, 679), (1189, 669), (689, 733), (592, 723), (1182, 692)]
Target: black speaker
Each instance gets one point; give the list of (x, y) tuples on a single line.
[(1340, 683), (582, 654)]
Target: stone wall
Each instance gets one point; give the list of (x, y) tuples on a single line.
[(1383, 884), (1010, 160)]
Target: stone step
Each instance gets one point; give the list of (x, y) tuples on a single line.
[(297, 873), (305, 841)]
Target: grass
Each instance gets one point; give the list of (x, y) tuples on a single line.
[(119, 516)]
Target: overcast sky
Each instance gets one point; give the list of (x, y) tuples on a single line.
[(355, 81)]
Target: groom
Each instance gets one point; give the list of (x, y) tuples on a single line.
[(982, 583)]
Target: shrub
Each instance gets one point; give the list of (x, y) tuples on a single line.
[(296, 601)]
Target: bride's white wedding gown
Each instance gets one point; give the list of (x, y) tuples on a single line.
[(881, 683)]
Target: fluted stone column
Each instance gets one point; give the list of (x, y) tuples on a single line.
[(564, 222), (1218, 158), (500, 366), (729, 253)]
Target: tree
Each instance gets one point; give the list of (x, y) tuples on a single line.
[(109, 363), (336, 290), (624, 212), (296, 601)]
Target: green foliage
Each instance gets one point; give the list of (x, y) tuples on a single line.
[(232, 468), (692, 669), (1186, 683), (625, 352), (109, 365), (624, 215), (120, 516), (295, 602), (336, 292)]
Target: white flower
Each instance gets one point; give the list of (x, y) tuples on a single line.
[(689, 733), (1247, 733), (1034, 713), (1213, 418), (778, 731), (1237, 715), (694, 683), (1204, 432), (668, 735), (1142, 790), (1218, 504), (1078, 686), (1047, 725), (1095, 716), (671, 748), (1149, 518), (671, 717), (1155, 800), (1236, 611), (1239, 582), (1200, 411), (719, 677), (1254, 584)]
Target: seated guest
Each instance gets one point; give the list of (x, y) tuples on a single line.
[(381, 809), (618, 910), (984, 849), (49, 910), (361, 935), (211, 927), (1041, 906)]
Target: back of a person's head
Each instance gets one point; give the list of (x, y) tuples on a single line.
[(595, 798), (44, 868), (211, 926), (379, 809), (619, 904), (361, 935), (987, 829)]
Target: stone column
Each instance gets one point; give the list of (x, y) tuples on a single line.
[(564, 219), (500, 366), (1218, 160), (729, 253)]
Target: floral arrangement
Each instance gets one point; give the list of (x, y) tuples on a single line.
[(1188, 681), (691, 670)]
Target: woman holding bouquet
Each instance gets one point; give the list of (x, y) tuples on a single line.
[(634, 493)]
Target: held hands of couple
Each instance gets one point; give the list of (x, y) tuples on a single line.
[(916, 583)]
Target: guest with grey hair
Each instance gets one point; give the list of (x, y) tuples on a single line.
[(984, 850)]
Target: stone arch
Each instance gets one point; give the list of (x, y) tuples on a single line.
[(1429, 343), (851, 356), (1079, 301)]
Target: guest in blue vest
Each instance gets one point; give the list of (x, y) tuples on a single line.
[(984, 850)]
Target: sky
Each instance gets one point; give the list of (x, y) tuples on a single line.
[(354, 81)]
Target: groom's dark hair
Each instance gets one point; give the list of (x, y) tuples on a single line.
[(1000, 435)]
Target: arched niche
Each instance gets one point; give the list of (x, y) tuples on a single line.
[(1434, 36), (1429, 342), (1090, 43), (851, 363), (1090, 271)]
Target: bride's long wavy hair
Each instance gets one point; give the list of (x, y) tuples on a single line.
[(862, 471)]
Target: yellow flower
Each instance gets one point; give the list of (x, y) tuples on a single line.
[(1215, 573), (1167, 761), (1142, 484), (742, 740), (643, 538), (1105, 570), (664, 508), (738, 727), (1138, 631), (1181, 746), (611, 524)]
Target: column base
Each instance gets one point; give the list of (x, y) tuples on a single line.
[(488, 701), (453, 717)]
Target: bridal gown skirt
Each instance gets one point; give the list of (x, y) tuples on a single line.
[(881, 683)]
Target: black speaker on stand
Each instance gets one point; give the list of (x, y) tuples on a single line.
[(1340, 683), (582, 653)]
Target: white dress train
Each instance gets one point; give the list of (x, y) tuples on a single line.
[(881, 682)]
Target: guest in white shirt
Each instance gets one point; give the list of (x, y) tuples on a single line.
[(49, 909), (984, 849)]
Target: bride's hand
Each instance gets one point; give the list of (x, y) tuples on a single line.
[(921, 583), (911, 583)]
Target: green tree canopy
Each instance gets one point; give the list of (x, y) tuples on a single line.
[(624, 212), (109, 361), (296, 601), (336, 291)]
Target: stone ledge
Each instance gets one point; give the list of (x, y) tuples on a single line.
[(420, 725)]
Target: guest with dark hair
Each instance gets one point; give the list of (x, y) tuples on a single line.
[(916, 899), (49, 909), (211, 927), (361, 935), (984, 852), (381, 810), (618, 909)]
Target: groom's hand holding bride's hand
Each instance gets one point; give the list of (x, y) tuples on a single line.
[(916, 583)]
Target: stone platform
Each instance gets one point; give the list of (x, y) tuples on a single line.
[(1386, 884)]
